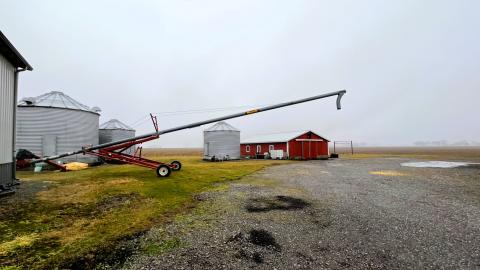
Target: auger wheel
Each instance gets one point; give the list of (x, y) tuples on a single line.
[(176, 165), (163, 171)]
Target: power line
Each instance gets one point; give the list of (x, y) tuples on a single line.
[(146, 117)]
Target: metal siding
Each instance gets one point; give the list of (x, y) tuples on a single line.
[(7, 106), (110, 135), (73, 128), (6, 174), (222, 143)]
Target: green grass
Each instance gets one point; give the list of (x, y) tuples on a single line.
[(64, 220)]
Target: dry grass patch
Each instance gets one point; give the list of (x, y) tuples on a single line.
[(388, 173)]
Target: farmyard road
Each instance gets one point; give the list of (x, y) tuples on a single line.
[(331, 214)]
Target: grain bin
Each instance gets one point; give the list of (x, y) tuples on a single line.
[(114, 130), (221, 141), (54, 123)]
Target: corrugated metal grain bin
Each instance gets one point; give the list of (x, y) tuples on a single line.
[(222, 141), (55, 123), (114, 130), (11, 63)]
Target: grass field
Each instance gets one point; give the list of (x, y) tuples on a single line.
[(78, 219)]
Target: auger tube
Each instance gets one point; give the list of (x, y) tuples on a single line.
[(339, 95)]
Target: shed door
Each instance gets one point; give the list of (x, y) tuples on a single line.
[(49, 145), (206, 151)]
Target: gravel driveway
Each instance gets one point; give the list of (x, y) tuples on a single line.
[(331, 214)]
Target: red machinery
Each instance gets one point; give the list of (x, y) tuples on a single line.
[(114, 150)]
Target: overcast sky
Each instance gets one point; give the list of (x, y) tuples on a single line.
[(411, 68)]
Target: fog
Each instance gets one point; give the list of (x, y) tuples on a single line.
[(410, 68)]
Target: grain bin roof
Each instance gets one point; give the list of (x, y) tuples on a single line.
[(221, 126), (56, 99), (115, 124), (277, 137), (9, 52)]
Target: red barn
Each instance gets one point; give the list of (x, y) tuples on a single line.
[(295, 145)]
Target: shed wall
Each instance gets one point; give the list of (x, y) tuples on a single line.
[(264, 148), (72, 129), (308, 149), (7, 109)]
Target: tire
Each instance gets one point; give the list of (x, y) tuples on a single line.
[(163, 171), (177, 165)]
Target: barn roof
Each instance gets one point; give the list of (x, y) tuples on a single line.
[(221, 126), (56, 99), (9, 52), (277, 137), (115, 124)]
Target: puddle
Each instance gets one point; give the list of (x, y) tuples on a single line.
[(437, 164), (263, 238), (266, 204)]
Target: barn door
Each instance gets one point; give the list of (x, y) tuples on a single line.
[(314, 150), (49, 145)]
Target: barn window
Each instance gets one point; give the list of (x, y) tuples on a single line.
[(259, 148), (270, 147), (247, 148)]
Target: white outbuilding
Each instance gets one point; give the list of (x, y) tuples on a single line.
[(221, 141)]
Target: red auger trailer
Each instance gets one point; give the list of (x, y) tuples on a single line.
[(115, 150)]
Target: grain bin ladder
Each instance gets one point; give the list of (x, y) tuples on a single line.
[(115, 150)]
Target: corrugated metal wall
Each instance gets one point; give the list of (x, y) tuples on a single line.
[(7, 103), (72, 128), (110, 135), (7, 106), (6, 174), (221, 144)]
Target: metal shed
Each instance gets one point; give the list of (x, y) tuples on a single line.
[(221, 141), (11, 63), (55, 123), (294, 145), (114, 130)]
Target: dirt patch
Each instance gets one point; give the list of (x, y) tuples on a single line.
[(108, 257), (285, 203), (116, 201)]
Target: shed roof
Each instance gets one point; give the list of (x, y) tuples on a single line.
[(277, 137), (115, 124), (221, 126), (11, 53), (56, 99)]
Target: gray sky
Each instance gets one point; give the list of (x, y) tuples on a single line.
[(411, 68)]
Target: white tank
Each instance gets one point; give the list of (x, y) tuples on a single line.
[(55, 123), (222, 141)]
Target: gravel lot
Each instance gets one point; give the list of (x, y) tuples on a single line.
[(328, 215)]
